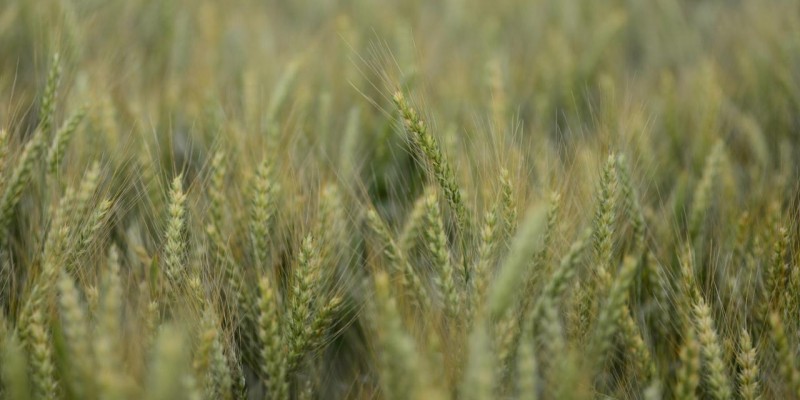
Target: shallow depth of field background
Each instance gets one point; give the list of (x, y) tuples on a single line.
[(602, 199)]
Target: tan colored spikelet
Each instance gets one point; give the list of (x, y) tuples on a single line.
[(175, 247), (440, 253), (717, 376), (210, 363), (108, 333), (787, 365), (410, 278), (216, 188), (604, 223), (304, 290), (273, 351), (486, 260), (636, 348), (41, 358), (748, 368), (509, 205), (612, 311), (262, 209), (77, 338), (688, 375)]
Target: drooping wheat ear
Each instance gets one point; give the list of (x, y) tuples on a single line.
[(410, 279), (630, 200), (415, 222), (748, 368), (41, 358), (785, 355), (429, 148), (486, 261), (175, 247), (14, 368), (304, 292), (399, 361), (479, 377), (169, 375), (76, 337), (62, 139), (262, 208), (437, 244), (527, 241), (688, 375), (604, 223), (273, 350), (705, 191), (20, 179), (210, 363), (48, 107), (509, 205), (612, 311), (216, 189), (717, 376), (636, 348), (527, 371), (108, 332)]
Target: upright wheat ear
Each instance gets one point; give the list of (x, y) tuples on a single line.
[(527, 242), (175, 247), (712, 352), (688, 375), (62, 139), (703, 194), (787, 364), (400, 264), (273, 351), (748, 368), (613, 310), (76, 335), (262, 208), (440, 253), (399, 361), (14, 368), (48, 106)]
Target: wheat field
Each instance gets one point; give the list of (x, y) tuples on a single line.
[(465, 199)]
